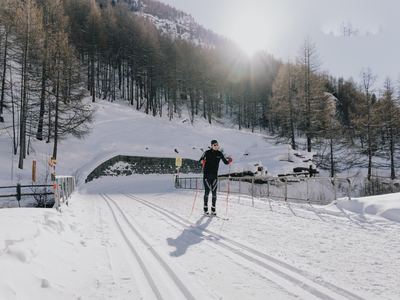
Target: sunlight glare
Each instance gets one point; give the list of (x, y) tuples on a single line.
[(250, 32)]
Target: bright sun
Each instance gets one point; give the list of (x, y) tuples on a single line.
[(250, 32)]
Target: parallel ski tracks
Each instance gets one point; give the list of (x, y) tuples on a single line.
[(317, 287), (152, 282)]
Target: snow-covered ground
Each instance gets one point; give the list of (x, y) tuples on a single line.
[(133, 237)]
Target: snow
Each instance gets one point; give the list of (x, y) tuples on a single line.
[(132, 237)]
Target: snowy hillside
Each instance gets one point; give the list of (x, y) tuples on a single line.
[(177, 24), (121, 130), (183, 28)]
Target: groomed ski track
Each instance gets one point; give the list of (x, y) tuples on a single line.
[(184, 275)]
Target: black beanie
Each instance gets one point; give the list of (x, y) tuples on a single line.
[(214, 142)]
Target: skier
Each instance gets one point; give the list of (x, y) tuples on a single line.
[(210, 160)]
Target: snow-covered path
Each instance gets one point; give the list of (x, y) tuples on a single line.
[(273, 250), (133, 238)]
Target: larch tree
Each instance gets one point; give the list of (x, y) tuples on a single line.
[(364, 117), (310, 90), (332, 144), (29, 36), (54, 21), (388, 112), (284, 100), (7, 8), (95, 39), (69, 115)]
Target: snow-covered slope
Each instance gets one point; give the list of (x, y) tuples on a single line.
[(121, 130)]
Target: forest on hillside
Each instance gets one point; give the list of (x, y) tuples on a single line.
[(53, 53)]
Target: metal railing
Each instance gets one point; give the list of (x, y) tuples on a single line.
[(288, 188), (19, 193), (63, 188)]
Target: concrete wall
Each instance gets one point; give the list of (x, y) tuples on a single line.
[(143, 165)]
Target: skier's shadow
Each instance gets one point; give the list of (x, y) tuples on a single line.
[(191, 236)]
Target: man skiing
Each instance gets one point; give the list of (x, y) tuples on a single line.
[(210, 160)]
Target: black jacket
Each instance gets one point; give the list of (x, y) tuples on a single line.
[(212, 158)]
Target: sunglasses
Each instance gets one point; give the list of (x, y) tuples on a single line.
[(215, 145)]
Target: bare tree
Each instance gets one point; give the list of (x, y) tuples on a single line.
[(29, 36), (54, 20), (284, 102), (70, 117), (347, 29), (310, 90), (389, 119), (364, 118)]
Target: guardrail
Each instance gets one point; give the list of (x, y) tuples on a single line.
[(63, 188), (277, 187), (19, 193)]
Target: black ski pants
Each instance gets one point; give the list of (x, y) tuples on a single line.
[(210, 184)]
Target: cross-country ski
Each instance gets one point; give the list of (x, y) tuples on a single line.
[(215, 216)]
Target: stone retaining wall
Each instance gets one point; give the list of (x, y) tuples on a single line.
[(123, 165)]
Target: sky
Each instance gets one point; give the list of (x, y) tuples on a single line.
[(133, 237), (280, 27)]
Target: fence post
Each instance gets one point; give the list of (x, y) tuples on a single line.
[(252, 192), (67, 187), (335, 182), (267, 187), (308, 189), (56, 195), (71, 188), (240, 180), (349, 195), (63, 188), (19, 193), (285, 189)]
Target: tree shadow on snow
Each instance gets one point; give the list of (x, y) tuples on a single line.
[(191, 236)]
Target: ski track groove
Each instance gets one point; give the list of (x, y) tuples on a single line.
[(216, 238), (185, 291)]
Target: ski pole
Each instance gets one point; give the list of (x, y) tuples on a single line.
[(229, 179), (201, 173)]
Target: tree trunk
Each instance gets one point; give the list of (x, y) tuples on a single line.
[(55, 148), (39, 134), (392, 170), (369, 153), (3, 80), (92, 78), (332, 162), (22, 143)]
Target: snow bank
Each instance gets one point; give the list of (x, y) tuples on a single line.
[(385, 206)]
